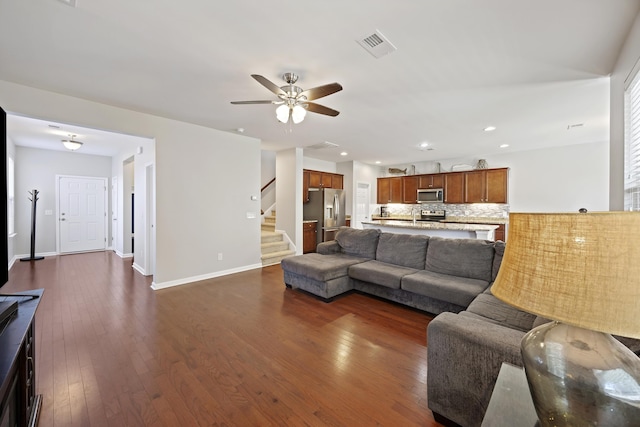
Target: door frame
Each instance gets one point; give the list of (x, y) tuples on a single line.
[(105, 181), (356, 223)]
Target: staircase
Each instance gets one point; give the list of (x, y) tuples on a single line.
[(273, 246)]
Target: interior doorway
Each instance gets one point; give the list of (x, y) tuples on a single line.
[(363, 201)]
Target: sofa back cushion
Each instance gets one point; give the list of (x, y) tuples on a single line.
[(403, 249), (497, 258), (360, 243), (460, 257)]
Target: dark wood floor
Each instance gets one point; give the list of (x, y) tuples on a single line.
[(240, 350)]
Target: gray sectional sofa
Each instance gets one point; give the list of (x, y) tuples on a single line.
[(473, 333), (432, 274)]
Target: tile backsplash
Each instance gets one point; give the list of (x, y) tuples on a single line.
[(475, 210)]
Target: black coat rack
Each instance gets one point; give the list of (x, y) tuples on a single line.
[(34, 200)]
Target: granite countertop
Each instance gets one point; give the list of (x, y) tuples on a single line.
[(309, 220), (450, 219), (477, 220), (430, 225)]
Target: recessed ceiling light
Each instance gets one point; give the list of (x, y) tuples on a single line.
[(378, 162), (504, 145), (344, 153), (489, 129), (424, 144)]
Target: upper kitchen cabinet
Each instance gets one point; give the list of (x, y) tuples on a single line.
[(486, 186), (454, 187), (319, 179), (435, 180), (410, 189), (390, 190)]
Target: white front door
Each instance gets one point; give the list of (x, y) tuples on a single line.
[(82, 214)]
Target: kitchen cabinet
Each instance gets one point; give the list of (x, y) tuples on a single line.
[(309, 236), (500, 232), (305, 186), (337, 181), (431, 181), (454, 187), (390, 190), (319, 179), (410, 189), (486, 186)]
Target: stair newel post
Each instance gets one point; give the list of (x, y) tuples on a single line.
[(34, 201)]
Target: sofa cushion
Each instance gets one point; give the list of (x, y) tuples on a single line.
[(492, 308), (320, 267), (469, 258), (403, 250), (444, 287), (498, 247), (380, 273), (360, 243)]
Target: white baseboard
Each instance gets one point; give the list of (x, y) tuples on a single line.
[(123, 255), (163, 285), (139, 269), (20, 256)]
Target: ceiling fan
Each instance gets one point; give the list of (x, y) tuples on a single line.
[(294, 102)]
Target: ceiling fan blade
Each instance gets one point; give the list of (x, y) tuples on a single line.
[(269, 85), (320, 91), (321, 109), (256, 102)]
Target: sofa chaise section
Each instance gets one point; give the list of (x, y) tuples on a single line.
[(325, 273)]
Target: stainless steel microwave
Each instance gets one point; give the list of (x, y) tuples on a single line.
[(431, 195)]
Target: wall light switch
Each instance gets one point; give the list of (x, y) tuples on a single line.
[(254, 198), (251, 215), (48, 212)]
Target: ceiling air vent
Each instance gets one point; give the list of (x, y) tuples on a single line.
[(320, 145), (376, 44)]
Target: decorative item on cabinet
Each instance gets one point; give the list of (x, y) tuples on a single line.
[(482, 164)]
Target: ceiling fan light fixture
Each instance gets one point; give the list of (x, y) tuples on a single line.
[(298, 113), (70, 144), (282, 113)]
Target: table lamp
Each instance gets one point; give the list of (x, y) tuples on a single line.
[(581, 271)]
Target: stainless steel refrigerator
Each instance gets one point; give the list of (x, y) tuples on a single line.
[(325, 205)]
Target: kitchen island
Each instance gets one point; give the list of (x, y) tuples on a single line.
[(439, 229)]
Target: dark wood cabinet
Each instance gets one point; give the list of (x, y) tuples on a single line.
[(305, 186), (337, 181), (486, 186), (309, 236), (454, 187), (390, 190), (431, 181), (19, 404), (499, 233), (410, 189), (317, 179)]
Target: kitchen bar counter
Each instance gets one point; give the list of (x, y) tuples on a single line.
[(441, 229)]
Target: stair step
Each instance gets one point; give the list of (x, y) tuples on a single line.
[(270, 236), (267, 248), (268, 227), (270, 219), (276, 257)]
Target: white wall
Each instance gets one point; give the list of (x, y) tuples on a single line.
[(268, 172), (623, 71), (198, 212), (37, 169), (289, 190), (319, 165)]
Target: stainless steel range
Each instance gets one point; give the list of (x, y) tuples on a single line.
[(427, 215)]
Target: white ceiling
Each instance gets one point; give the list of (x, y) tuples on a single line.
[(530, 68)]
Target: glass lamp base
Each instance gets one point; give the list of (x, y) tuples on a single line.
[(580, 377)]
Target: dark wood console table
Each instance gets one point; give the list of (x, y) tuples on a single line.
[(19, 404)]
